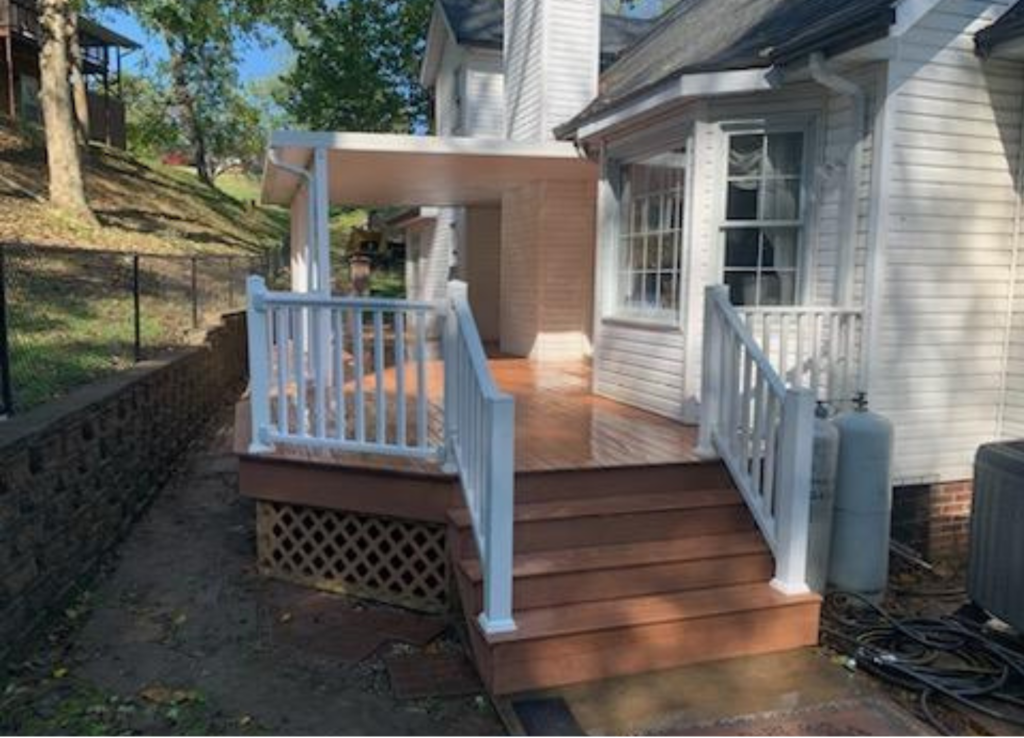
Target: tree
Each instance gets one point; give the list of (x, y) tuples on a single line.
[(357, 67), (152, 129), (67, 186)]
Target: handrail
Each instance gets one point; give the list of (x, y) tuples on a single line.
[(480, 433), (763, 431)]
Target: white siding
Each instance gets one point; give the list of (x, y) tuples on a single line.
[(431, 267), (448, 115), (485, 95), (483, 268), (524, 93), (948, 244)]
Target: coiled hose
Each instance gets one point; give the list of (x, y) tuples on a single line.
[(951, 660)]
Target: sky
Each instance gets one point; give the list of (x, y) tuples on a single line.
[(255, 61)]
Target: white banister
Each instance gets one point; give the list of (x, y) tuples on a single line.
[(763, 430), (309, 381), (480, 440), (336, 373)]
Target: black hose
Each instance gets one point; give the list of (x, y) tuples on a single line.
[(947, 660)]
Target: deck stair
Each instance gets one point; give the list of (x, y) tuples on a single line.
[(628, 570)]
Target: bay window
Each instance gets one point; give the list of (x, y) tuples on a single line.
[(648, 266), (763, 217)]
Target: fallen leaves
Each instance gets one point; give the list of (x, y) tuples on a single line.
[(161, 695)]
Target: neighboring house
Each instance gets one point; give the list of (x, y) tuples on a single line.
[(19, 70), (749, 207)]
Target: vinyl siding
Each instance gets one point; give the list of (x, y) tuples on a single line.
[(485, 95), (524, 91), (571, 57), (939, 355)]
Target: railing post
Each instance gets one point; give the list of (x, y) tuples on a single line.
[(456, 291), (259, 364), (499, 521), (711, 371), (793, 493)]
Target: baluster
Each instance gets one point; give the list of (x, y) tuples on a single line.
[(799, 378), (337, 317), (834, 348), (360, 375), (421, 379), (772, 410), (282, 317), (784, 358), (816, 354), (757, 464), (745, 414), (849, 374), (319, 338), (378, 370), (400, 377), (299, 345)]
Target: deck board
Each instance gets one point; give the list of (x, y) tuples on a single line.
[(560, 425)]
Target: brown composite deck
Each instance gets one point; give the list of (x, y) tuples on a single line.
[(560, 425)]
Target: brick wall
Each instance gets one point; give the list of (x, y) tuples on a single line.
[(76, 473), (934, 519)]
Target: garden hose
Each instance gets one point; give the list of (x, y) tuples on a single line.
[(950, 659)]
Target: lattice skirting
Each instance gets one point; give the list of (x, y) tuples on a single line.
[(402, 562)]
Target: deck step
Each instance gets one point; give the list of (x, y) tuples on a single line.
[(566, 644), (549, 578), (561, 524), (540, 486)]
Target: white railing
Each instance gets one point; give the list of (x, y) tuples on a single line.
[(480, 432), (811, 346), (352, 374), (763, 431), (320, 370)]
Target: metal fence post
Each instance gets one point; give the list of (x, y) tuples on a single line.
[(137, 307), (6, 385), (195, 292)]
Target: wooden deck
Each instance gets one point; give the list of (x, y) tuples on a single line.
[(560, 426)]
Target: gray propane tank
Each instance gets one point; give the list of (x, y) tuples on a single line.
[(863, 506), (823, 491)]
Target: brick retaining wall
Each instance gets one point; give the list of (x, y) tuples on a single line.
[(74, 474)]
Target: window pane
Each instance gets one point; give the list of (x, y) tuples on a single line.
[(745, 155), (654, 214), (742, 204), (785, 154), (652, 252), (779, 248), (778, 288), (742, 287), (741, 248), (781, 199), (668, 292), (638, 253)]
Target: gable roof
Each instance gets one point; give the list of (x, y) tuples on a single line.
[(1008, 27), (481, 23), (722, 35)]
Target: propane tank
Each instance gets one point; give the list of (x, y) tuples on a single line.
[(823, 490), (863, 504)]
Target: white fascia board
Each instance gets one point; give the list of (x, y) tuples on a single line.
[(438, 35), (702, 84), (909, 13)]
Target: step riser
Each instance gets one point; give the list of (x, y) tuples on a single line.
[(589, 483), (517, 667), (664, 525), (607, 584)]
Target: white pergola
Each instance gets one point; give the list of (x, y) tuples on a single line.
[(310, 171)]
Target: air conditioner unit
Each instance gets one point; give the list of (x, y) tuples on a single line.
[(995, 577)]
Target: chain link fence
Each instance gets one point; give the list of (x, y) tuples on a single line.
[(69, 316)]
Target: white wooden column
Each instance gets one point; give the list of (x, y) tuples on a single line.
[(321, 239), (300, 240)]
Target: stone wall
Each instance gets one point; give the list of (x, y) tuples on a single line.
[(75, 474), (934, 519)]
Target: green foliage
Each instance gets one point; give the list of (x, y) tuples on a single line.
[(152, 130), (356, 67)]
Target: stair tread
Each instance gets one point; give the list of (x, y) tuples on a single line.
[(614, 505), (587, 617), (625, 555)]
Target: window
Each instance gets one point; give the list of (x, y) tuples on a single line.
[(649, 259), (762, 226)]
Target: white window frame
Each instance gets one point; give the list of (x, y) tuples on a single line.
[(614, 310), (807, 127)]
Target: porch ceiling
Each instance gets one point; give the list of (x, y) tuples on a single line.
[(376, 170)]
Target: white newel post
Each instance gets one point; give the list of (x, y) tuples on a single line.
[(457, 290), (711, 384), (796, 449), (499, 511), (259, 364)]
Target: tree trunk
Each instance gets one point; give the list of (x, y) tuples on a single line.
[(80, 94), (187, 103), (67, 188)]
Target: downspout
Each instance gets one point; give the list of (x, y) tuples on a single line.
[(846, 262), (311, 255)]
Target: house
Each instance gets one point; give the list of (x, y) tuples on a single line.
[(671, 250), (102, 50)]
